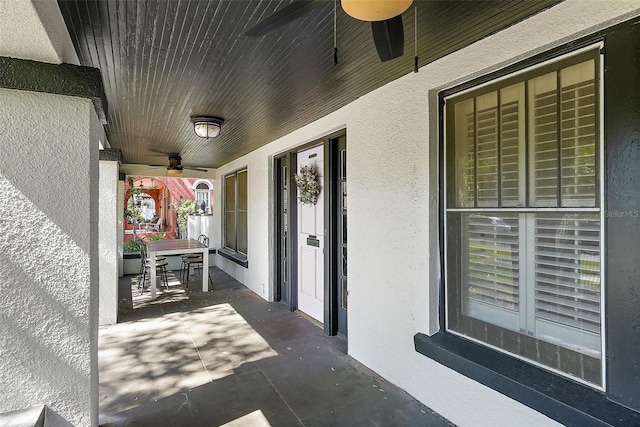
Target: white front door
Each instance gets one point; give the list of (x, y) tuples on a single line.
[(311, 241)]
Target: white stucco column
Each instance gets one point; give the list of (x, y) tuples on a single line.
[(48, 219), (48, 247), (108, 240)]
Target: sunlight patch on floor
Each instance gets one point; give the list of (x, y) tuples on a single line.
[(174, 293), (157, 357), (254, 419)]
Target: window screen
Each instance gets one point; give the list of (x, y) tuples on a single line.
[(523, 240)]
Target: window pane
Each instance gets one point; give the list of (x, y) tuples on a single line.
[(242, 190), (344, 294), (512, 166), (242, 212), (487, 149), (202, 196), (242, 232), (491, 269), (465, 153), (530, 283), (578, 114), (567, 280), (344, 195), (230, 193), (230, 230), (543, 119), (230, 212)]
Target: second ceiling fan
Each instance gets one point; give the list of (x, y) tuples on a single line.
[(385, 17), (175, 167)]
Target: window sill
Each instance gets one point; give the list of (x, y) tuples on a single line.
[(558, 398), (235, 257)]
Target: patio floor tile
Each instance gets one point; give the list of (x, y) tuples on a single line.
[(227, 357)]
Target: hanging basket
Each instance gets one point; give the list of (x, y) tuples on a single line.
[(308, 186)]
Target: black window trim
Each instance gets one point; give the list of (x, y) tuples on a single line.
[(237, 257), (557, 397), (566, 401)]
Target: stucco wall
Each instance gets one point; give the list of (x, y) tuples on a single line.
[(34, 29), (108, 242), (392, 144), (48, 231)]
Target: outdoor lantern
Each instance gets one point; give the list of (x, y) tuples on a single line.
[(375, 10), (207, 127)]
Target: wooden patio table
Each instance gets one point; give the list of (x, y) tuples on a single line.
[(176, 247)]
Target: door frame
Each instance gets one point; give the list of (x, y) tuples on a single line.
[(280, 294), (329, 193)]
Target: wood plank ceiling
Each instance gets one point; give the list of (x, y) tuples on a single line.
[(163, 61)]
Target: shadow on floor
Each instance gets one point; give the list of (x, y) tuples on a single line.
[(227, 357)]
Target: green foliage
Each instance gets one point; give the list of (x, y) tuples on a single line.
[(130, 246), (155, 236), (184, 208), (133, 213)]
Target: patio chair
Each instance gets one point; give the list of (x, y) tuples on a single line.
[(195, 260), (145, 265), (156, 225), (185, 257)]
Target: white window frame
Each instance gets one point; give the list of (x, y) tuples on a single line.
[(201, 194)]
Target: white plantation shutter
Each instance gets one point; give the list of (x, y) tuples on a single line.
[(487, 150), (533, 269), (578, 135), (543, 158), (493, 260), (512, 168), (465, 147), (492, 280), (567, 277)]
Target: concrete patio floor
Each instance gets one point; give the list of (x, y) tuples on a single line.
[(227, 357)]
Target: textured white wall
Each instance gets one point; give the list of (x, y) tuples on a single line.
[(35, 29), (48, 242), (392, 142), (108, 242)]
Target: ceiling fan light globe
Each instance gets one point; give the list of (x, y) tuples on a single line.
[(174, 171), (375, 10)]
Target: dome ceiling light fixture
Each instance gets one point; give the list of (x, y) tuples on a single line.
[(375, 10), (207, 126)]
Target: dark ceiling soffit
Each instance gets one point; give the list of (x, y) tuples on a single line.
[(62, 79), (111, 155)]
